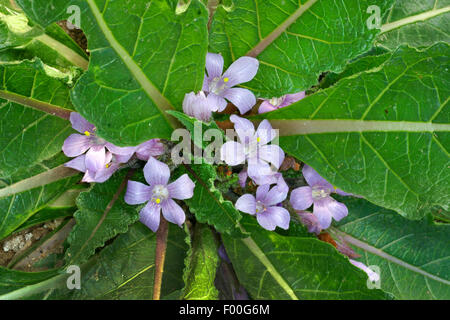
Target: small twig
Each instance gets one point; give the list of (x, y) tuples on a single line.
[(160, 256)]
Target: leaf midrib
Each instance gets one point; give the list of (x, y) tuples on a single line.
[(149, 88), (375, 251)]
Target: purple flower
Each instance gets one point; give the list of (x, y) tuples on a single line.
[(310, 221), (150, 148), (277, 103), (220, 87), (253, 148), (199, 106), (96, 157), (159, 194), (318, 193), (264, 205), (98, 174), (373, 276)]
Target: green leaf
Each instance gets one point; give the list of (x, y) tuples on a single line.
[(122, 270), (224, 217), (271, 266), (31, 94), (11, 280), (30, 190), (102, 214), (201, 266), (144, 59), (294, 43), (381, 134), (52, 45), (413, 256), (368, 61), (417, 23)]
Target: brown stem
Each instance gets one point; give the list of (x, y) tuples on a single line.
[(161, 245)]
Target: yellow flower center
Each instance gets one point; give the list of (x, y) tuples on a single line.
[(87, 133), (226, 79)]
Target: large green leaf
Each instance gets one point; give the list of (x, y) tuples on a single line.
[(33, 100), (29, 190), (208, 204), (294, 41), (272, 266), (418, 23), (413, 256), (201, 266), (144, 59), (123, 270), (52, 45), (382, 134), (102, 214)]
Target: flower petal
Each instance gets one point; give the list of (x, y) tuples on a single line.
[(301, 198), (243, 177), (137, 193), (150, 216), (261, 172), (123, 151), (80, 124), (95, 160), (232, 153), (275, 196), (214, 65), (242, 70), (77, 163), (322, 212), (262, 191), (291, 98), (271, 153), (373, 276), (246, 203), (338, 210), (265, 133), (266, 106), (150, 148), (216, 103), (156, 172), (314, 179), (182, 188), (272, 217), (310, 221), (242, 98), (196, 105), (75, 145), (173, 212), (244, 128), (105, 173)]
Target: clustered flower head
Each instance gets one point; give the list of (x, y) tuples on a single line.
[(255, 149)]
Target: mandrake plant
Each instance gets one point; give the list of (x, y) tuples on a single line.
[(241, 149)]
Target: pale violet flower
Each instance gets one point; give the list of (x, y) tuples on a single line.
[(373, 276), (199, 105), (253, 147), (97, 152), (159, 194), (277, 103), (98, 174), (310, 221), (264, 205), (318, 193), (220, 86), (150, 148)]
